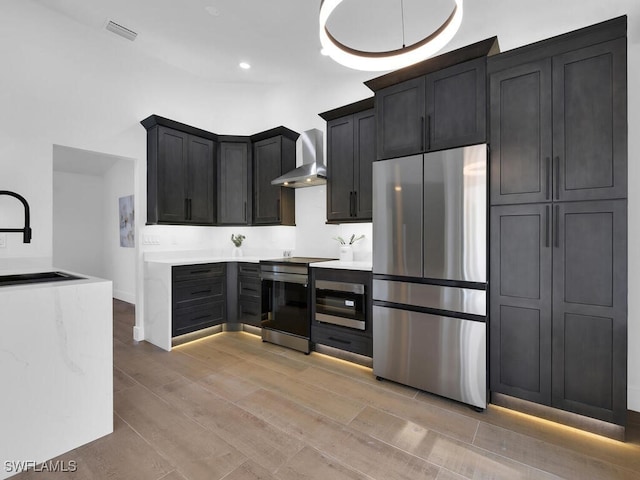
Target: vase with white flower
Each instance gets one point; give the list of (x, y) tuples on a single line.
[(346, 247), (237, 242)]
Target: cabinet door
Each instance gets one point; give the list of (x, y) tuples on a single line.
[(172, 175), (267, 166), (200, 181), (456, 105), (520, 117), (589, 309), (233, 178), (340, 174), (400, 119), (590, 122), (364, 156), (520, 301)]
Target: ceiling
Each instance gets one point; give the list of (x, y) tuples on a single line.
[(279, 38)]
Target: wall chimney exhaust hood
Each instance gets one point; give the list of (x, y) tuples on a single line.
[(312, 171)]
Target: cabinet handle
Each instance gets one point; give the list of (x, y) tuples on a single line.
[(428, 132), (278, 209), (557, 161), (547, 228), (200, 292), (548, 181), (339, 340), (201, 317), (422, 133), (186, 209), (189, 210), (245, 211), (351, 204), (556, 233), (355, 204)]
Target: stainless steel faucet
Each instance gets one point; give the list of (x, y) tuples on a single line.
[(26, 231)]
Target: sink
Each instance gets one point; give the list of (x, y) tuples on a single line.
[(40, 277)]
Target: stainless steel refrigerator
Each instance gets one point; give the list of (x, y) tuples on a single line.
[(430, 272)]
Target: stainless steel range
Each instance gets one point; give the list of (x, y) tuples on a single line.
[(285, 301)]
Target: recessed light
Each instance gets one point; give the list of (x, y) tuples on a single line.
[(244, 65)]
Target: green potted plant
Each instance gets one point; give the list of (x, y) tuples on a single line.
[(237, 242)]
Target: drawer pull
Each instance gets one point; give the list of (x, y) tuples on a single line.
[(339, 340), (200, 292), (201, 317)]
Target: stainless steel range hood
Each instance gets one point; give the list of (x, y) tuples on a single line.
[(313, 170)]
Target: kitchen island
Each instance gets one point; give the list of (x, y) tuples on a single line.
[(56, 368)]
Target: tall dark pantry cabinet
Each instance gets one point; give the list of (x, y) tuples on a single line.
[(558, 220)]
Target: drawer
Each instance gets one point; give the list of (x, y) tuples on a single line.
[(343, 340), (198, 291), (249, 311), (200, 271), (249, 287), (249, 269), (197, 317)]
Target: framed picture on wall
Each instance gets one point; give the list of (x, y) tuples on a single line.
[(127, 231)]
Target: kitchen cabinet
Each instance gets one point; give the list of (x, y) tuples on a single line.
[(274, 153), (249, 294), (558, 305), (198, 295), (347, 338), (437, 104), (558, 295), (351, 150), (558, 126), (234, 182), (180, 173)]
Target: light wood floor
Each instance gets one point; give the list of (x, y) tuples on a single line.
[(231, 407)]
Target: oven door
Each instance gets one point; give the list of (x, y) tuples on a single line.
[(341, 303), (285, 300)]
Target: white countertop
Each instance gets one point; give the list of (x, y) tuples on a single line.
[(83, 279), (339, 264), (191, 260)]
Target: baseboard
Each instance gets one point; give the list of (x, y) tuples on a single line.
[(125, 296), (599, 427), (138, 334)]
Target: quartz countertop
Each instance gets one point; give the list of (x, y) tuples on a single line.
[(192, 260), (357, 265)]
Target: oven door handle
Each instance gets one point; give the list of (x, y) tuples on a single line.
[(347, 287), (286, 277)]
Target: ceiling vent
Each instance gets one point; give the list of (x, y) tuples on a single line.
[(122, 31)]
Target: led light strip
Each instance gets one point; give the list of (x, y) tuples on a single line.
[(392, 59)]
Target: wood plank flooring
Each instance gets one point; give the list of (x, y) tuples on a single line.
[(231, 407)]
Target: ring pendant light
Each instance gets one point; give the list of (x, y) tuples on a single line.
[(392, 59)]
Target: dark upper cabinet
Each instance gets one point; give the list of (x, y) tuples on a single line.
[(590, 122), (274, 153), (558, 127), (340, 171), (456, 105), (436, 104), (180, 174), (400, 117), (351, 151), (520, 116), (234, 183)]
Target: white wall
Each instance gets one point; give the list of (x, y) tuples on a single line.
[(119, 263), (78, 220), (70, 85)]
